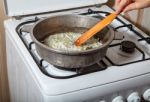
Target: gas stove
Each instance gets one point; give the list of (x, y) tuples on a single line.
[(123, 75), (126, 48)]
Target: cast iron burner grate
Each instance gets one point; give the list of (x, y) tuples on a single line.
[(101, 65)]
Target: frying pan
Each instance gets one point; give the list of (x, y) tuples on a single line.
[(70, 23)]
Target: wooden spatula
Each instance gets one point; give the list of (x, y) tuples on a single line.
[(98, 27)]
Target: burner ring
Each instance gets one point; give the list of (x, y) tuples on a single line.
[(127, 46)]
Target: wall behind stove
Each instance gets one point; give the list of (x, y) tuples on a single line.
[(4, 93)]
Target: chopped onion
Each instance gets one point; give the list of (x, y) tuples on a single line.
[(65, 41)]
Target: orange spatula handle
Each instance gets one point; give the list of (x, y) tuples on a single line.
[(99, 26)]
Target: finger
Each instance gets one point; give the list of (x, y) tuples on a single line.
[(136, 5), (130, 7), (117, 1), (122, 5)]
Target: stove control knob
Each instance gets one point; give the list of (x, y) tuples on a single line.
[(134, 97), (118, 99), (146, 95)]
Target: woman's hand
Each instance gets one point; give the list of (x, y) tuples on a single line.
[(128, 5)]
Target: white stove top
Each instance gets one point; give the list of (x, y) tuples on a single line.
[(93, 81)]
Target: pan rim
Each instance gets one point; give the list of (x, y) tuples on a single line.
[(72, 52)]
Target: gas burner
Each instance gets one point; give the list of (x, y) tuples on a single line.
[(60, 72), (101, 65), (66, 69), (128, 46)]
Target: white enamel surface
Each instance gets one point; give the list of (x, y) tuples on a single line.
[(25, 7), (113, 79), (21, 82)]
